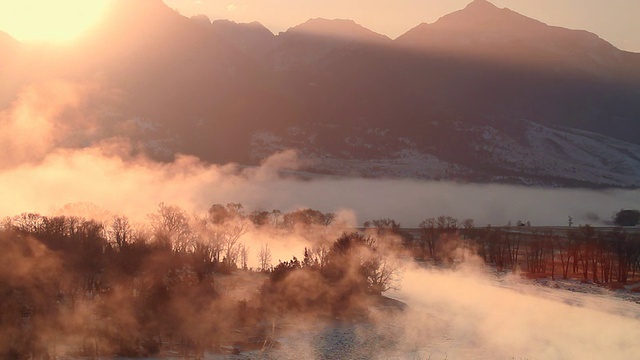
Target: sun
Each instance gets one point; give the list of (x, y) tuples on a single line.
[(52, 21)]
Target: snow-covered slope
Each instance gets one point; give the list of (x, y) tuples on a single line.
[(540, 156)]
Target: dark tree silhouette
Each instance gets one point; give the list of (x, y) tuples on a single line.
[(627, 218)]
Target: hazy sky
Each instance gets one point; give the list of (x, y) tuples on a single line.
[(58, 21), (615, 21), (63, 20)]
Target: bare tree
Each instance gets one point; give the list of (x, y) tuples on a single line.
[(328, 218), (428, 236), (563, 248), (321, 252), (120, 233), (389, 232), (373, 261), (307, 217), (259, 217), (28, 222), (171, 227), (264, 257), (230, 235), (447, 224), (468, 228), (383, 225), (275, 218), (382, 271), (209, 240), (228, 225), (244, 256)]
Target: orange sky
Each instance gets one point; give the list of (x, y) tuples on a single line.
[(615, 21), (63, 20), (58, 21)]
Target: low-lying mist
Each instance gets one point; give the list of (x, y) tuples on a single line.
[(134, 187), (469, 314)]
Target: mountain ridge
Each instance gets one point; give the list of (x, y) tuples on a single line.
[(463, 105)]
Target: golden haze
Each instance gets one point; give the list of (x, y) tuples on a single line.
[(59, 21)]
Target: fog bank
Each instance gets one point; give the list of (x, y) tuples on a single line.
[(134, 187), (465, 315)]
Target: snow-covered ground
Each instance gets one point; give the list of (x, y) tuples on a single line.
[(542, 155), (568, 154)]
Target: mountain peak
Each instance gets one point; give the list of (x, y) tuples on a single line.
[(480, 19), (232, 29), (481, 5), (232, 24), (483, 16), (324, 26), (201, 19), (336, 28)]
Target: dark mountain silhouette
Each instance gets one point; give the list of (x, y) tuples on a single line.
[(547, 74), (336, 28), (485, 31), (252, 39), (319, 41), (200, 89), (482, 94)]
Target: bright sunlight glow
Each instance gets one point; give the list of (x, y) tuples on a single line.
[(56, 21)]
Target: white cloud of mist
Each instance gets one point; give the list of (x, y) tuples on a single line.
[(28, 130), (48, 115), (465, 315), (134, 186), (469, 313)]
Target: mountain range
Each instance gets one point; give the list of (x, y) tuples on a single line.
[(483, 94)]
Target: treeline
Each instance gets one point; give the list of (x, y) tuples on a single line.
[(79, 287), (601, 256)]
